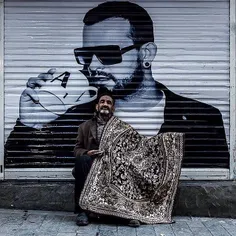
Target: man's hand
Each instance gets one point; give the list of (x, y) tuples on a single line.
[(31, 112), (94, 152)]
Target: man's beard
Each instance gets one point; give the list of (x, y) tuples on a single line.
[(123, 87), (105, 112)]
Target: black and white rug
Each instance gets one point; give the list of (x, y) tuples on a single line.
[(137, 177)]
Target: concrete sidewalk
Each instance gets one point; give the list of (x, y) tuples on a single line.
[(45, 223)]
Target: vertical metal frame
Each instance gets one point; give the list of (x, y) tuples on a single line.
[(232, 90), (1, 89)]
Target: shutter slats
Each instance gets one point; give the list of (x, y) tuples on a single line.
[(192, 58)]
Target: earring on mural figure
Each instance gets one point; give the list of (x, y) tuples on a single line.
[(146, 64)]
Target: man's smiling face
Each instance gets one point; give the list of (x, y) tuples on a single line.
[(105, 106), (122, 78)]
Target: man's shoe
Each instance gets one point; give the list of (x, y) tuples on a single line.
[(82, 219), (134, 223)]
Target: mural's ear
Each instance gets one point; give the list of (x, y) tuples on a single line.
[(96, 107), (148, 52)]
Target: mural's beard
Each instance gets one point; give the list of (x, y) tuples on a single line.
[(123, 87)]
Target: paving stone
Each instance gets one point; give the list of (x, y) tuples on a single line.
[(126, 230), (229, 225), (215, 228), (146, 230), (51, 223), (4, 218), (11, 223), (41, 223), (18, 232), (107, 230), (32, 222), (45, 233), (181, 228), (68, 225), (6, 234), (25, 233), (201, 232), (67, 234), (8, 231), (8, 227), (163, 230), (198, 228), (15, 219), (90, 230)]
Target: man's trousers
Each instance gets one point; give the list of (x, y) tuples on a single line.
[(80, 172)]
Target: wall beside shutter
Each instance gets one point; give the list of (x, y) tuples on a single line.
[(192, 60)]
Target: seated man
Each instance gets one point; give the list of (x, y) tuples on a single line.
[(86, 149)]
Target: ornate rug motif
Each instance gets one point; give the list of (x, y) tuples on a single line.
[(137, 177)]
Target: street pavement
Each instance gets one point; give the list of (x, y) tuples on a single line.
[(54, 223)]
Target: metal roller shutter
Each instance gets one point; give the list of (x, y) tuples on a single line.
[(192, 60)]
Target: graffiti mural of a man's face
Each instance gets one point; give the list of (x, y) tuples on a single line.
[(108, 65), (118, 52)]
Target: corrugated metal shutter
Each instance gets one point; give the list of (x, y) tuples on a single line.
[(192, 60)]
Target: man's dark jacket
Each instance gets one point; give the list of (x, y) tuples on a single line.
[(87, 138), (205, 141)]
